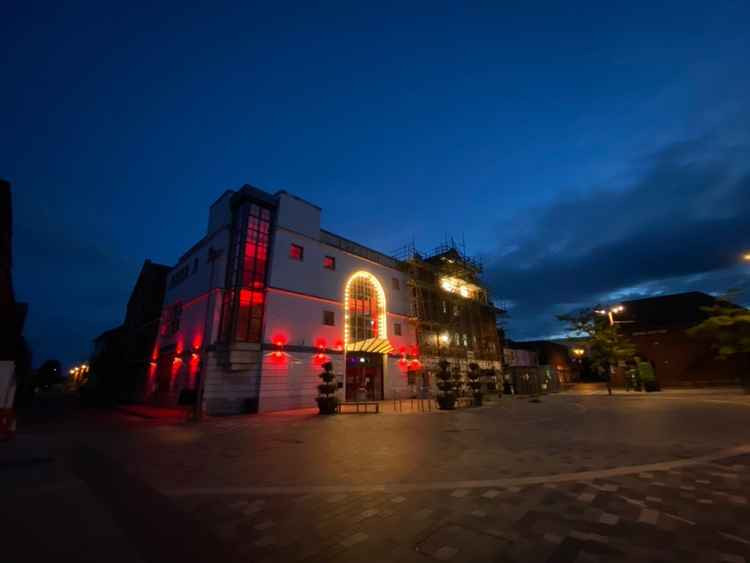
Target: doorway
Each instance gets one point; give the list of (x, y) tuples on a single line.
[(364, 376)]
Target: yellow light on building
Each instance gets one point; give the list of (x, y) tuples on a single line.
[(459, 286), (382, 310)]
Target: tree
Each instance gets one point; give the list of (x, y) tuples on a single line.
[(447, 387), (728, 326), (475, 384), (327, 400), (607, 345)]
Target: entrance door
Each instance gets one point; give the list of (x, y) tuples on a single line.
[(364, 376)]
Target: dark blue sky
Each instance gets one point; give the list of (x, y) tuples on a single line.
[(588, 151)]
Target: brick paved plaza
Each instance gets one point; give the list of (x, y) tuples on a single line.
[(572, 478)]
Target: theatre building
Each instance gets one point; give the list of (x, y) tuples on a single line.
[(266, 297)]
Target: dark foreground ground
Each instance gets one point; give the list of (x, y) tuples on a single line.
[(577, 477)]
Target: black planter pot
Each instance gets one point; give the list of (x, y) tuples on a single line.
[(446, 402), (327, 405), (651, 385)]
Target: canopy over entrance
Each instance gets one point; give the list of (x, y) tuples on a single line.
[(372, 345)]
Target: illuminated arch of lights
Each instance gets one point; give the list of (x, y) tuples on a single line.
[(379, 292)]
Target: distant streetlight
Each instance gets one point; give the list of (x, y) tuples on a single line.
[(746, 257), (611, 312)]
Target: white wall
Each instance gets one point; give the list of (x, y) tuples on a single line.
[(298, 215), (310, 277)]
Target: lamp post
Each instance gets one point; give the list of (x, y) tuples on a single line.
[(611, 312)]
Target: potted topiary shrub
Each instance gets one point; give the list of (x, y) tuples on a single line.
[(446, 385), (647, 376), (327, 400), (474, 384)]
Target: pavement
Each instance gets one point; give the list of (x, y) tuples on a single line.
[(575, 477)]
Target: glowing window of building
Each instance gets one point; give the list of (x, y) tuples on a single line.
[(365, 308), (242, 311)]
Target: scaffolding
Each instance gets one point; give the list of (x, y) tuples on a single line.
[(436, 314)]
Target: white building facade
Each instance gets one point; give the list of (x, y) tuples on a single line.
[(265, 298)]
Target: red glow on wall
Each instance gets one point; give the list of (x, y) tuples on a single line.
[(415, 351), (320, 359), (279, 339), (320, 344), (197, 340), (338, 345), (278, 357), (180, 346)]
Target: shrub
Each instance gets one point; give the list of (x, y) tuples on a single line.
[(446, 387), (327, 400)]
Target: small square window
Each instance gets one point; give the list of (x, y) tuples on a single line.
[(328, 318), (329, 262), (296, 252), (397, 329), (396, 284)]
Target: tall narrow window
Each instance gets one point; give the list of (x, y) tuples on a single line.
[(396, 283), (365, 305), (328, 318), (242, 311), (397, 329)]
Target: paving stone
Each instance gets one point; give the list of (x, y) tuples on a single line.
[(653, 499), (491, 493), (586, 497), (422, 514), (265, 541), (445, 553), (648, 516), (609, 519), (731, 558), (264, 525), (359, 537), (398, 500), (460, 493), (479, 513), (586, 536), (552, 538)]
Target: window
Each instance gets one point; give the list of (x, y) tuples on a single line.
[(329, 262), (365, 308), (396, 284), (397, 329), (329, 318), (243, 302), (445, 307), (296, 252)]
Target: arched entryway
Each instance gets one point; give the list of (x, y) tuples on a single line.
[(365, 337)]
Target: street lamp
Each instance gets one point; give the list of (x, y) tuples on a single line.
[(611, 312), (746, 257)]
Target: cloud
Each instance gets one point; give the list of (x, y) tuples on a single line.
[(682, 223)]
